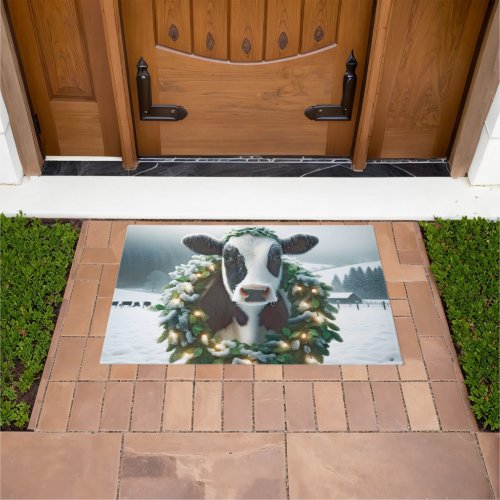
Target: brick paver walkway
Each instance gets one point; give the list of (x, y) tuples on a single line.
[(255, 432)]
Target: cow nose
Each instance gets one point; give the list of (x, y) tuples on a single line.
[(254, 293)]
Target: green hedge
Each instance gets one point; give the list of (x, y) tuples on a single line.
[(34, 260), (464, 258)]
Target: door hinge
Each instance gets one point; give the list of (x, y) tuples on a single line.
[(342, 111), (36, 123), (148, 110)]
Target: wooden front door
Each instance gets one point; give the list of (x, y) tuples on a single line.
[(63, 55), (245, 71)]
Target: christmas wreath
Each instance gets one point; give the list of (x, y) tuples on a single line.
[(305, 338)]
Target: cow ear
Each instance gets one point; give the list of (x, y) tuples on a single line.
[(299, 243), (203, 244)]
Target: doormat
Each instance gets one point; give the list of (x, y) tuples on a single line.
[(279, 294)]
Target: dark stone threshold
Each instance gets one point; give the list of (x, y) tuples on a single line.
[(251, 166)]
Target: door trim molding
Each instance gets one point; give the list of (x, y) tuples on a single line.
[(117, 65), (17, 104), (485, 81), (373, 80)]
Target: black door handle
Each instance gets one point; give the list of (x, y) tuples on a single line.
[(148, 110), (342, 111)]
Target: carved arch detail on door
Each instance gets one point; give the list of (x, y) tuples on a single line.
[(246, 30)]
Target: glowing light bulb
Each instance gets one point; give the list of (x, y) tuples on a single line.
[(211, 267), (304, 306), (204, 339), (173, 337), (314, 291), (319, 318), (175, 301), (198, 275), (311, 360), (303, 336), (198, 313)]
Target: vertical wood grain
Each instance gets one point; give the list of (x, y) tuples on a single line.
[(429, 52), (62, 45), (16, 102), (484, 84), (246, 30), (210, 28), (117, 67), (283, 20), (138, 30), (319, 25), (341, 134), (27, 44), (100, 68), (78, 127), (372, 83), (173, 24)]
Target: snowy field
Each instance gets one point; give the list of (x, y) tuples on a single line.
[(369, 335)]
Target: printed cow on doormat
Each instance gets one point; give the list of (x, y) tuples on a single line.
[(241, 300)]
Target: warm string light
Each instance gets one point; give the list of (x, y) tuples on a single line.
[(304, 306), (308, 301), (311, 360), (285, 346), (319, 318)]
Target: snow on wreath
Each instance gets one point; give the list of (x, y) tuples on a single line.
[(241, 301)]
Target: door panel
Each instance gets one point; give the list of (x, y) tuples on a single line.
[(247, 30), (61, 44), (430, 51), (251, 71)]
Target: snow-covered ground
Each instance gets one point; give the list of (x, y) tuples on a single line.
[(132, 332), (369, 335)]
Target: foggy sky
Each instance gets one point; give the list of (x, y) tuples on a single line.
[(338, 245)]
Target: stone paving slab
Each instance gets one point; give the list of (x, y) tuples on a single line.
[(203, 466), (50, 465), (386, 465), (208, 431)]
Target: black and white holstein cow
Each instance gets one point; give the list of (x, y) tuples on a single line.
[(243, 302)]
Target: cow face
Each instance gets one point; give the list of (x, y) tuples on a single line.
[(251, 265)]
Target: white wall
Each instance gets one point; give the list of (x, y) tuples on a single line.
[(485, 168), (11, 170)]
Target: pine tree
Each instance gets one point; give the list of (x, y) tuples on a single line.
[(349, 280), (337, 284), (358, 282), (370, 291), (379, 282)]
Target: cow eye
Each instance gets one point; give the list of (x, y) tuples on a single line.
[(275, 255), (229, 257)]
